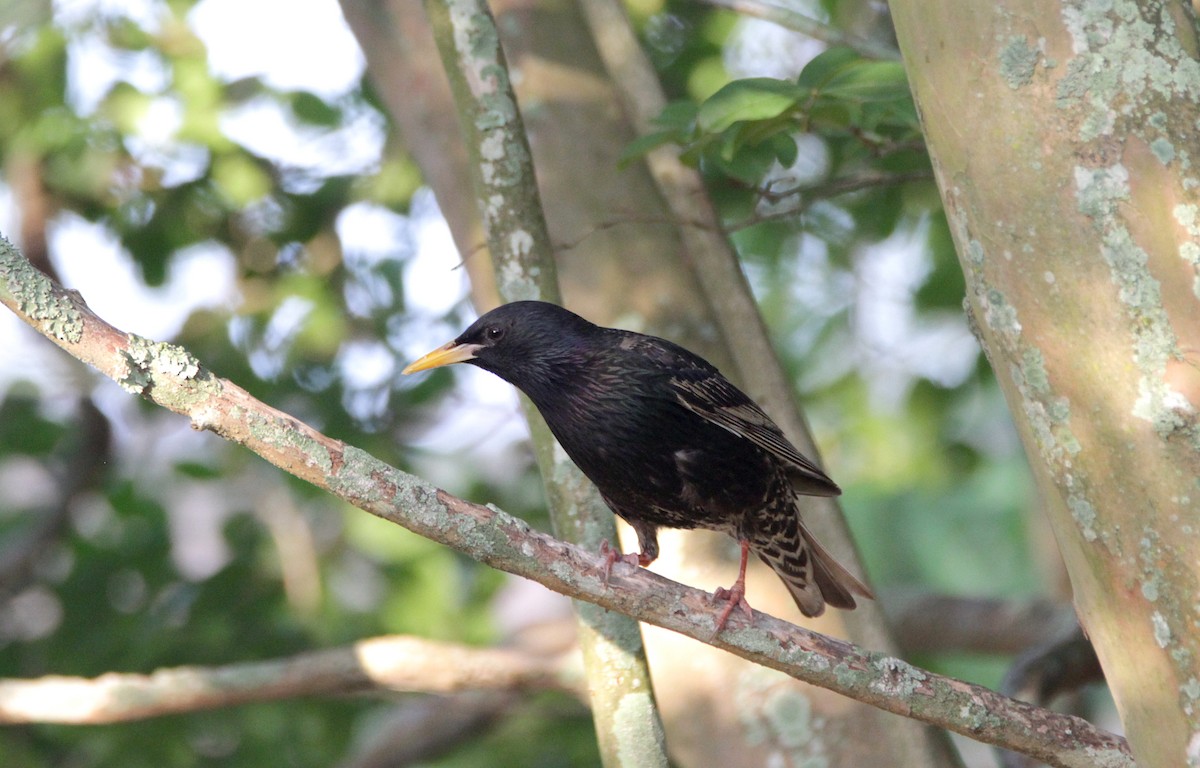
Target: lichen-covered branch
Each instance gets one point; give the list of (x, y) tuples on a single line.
[(394, 663), (172, 378)]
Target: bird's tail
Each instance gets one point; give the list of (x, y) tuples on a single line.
[(813, 576)]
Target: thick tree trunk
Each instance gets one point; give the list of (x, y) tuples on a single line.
[(1065, 136)]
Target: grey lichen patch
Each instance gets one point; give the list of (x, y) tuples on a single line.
[(846, 675), (1099, 191), (1128, 61), (1150, 590), (520, 244), (975, 715), (1169, 412), (147, 362), (1105, 757), (1148, 556), (638, 731), (1163, 150), (789, 713), (280, 433), (975, 252), (1033, 367), (563, 571), (1049, 415), (485, 40), (1018, 62), (896, 677), (499, 147), (778, 716), (36, 297), (1162, 631), (361, 477), (1001, 317), (1084, 514), (516, 283), (1059, 411), (1188, 217)]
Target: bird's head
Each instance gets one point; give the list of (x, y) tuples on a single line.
[(525, 343)]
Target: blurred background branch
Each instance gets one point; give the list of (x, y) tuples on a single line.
[(375, 665)]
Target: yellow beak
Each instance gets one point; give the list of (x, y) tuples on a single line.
[(445, 355)]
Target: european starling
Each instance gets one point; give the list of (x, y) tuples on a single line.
[(666, 439)]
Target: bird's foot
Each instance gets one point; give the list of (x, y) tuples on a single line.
[(736, 598), (736, 595), (612, 555)]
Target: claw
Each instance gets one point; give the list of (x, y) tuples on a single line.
[(611, 556), (735, 595)]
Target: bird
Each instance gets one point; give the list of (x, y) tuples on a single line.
[(666, 439)]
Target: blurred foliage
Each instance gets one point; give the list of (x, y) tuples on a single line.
[(185, 550)]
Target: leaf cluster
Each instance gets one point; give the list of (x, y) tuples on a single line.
[(750, 124)]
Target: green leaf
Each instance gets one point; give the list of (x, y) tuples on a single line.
[(784, 147), (840, 73), (824, 66), (198, 470), (678, 115), (869, 81), (748, 164), (756, 98), (313, 110)]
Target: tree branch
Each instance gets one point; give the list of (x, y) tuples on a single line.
[(171, 377), (393, 663), (930, 622)]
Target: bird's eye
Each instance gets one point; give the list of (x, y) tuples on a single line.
[(495, 333)]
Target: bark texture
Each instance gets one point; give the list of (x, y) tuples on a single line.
[(1065, 136)]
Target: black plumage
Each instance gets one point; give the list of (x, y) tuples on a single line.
[(666, 438)]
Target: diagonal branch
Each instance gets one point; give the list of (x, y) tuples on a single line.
[(171, 377)]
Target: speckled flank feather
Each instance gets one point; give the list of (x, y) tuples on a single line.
[(779, 538)]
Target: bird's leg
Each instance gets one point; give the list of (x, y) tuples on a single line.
[(736, 595)]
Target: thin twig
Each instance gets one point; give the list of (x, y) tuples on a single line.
[(833, 188), (807, 25)]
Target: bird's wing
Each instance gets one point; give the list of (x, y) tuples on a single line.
[(711, 396)]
